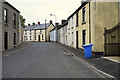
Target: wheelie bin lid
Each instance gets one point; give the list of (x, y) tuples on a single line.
[(87, 45)]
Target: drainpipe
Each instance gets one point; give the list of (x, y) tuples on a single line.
[(45, 31), (1, 39), (89, 26)]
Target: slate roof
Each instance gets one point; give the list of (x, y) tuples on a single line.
[(37, 27)]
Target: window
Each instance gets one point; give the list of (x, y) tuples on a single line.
[(72, 38), (35, 37), (25, 32), (14, 19), (26, 38), (72, 21), (40, 31), (35, 32), (5, 16), (84, 37), (30, 32), (14, 39), (30, 37), (84, 16), (77, 17), (42, 37)]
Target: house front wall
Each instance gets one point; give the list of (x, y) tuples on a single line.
[(9, 27), (71, 32), (83, 26), (53, 36), (50, 27), (58, 35), (103, 15), (0, 27), (65, 34), (34, 37), (40, 36)]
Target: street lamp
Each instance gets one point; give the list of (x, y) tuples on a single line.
[(55, 26), (54, 16)]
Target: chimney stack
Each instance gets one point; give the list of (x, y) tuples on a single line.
[(56, 24), (39, 23), (33, 24), (50, 21), (63, 21)]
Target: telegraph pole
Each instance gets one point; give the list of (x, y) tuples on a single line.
[(45, 31)]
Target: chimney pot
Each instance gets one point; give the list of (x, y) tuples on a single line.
[(28, 24), (33, 24), (39, 23), (50, 21)]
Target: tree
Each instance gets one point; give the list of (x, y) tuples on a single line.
[(22, 21)]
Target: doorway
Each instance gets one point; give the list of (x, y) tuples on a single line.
[(14, 39), (77, 39), (39, 38), (6, 40), (84, 37)]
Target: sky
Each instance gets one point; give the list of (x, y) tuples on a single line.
[(39, 10)]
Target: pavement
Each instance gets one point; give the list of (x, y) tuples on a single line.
[(106, 65), (45, 60), (16, 49)]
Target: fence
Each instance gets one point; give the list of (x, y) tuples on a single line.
[(112, 41)]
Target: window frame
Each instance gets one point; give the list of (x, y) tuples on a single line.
[(40, 31), (84, 36), (5, 16), (84, 15), (77, 19), (14, 20), (42, 37)]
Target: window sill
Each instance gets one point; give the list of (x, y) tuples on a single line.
[(83, 23), (76, 25), (6, 24), (15, 27)]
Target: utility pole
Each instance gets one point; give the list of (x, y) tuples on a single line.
[(45, 31), (1, 39)]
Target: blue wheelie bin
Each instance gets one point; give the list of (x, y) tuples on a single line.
[(88, 50)]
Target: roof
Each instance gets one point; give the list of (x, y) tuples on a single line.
[(11, 6), (77, 10), (37, 27), (62, 25), (53, 29)]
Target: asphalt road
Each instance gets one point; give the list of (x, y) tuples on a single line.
[(45, 60)]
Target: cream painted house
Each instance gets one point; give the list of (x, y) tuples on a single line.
[(48, 29), (37, 32), (91, 20)]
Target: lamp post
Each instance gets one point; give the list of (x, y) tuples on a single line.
[(55, 26), (54, 16)]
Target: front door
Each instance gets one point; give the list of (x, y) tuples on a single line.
[(39, 38), (84, 37), (77, 39), (14, 39), (5, 40)]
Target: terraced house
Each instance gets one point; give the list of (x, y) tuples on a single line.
[(10, 26), (94, 23), (62, 32), (38, 32), (92, 19)]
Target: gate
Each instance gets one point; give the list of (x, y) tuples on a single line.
[(112, 41)]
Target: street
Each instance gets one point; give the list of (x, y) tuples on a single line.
[(45, 60)]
